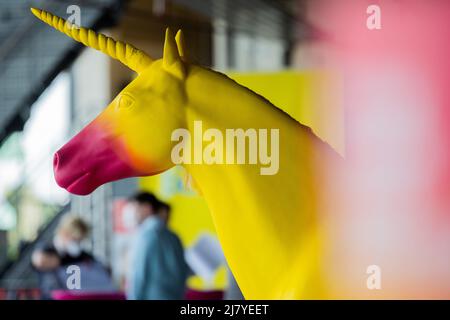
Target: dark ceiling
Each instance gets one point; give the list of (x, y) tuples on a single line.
[(32, 54), (268, 18)]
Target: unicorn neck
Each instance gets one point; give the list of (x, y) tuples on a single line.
[(214, 97), (250, 209)]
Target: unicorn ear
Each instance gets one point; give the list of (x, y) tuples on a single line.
[(171, 59), (181, 44)]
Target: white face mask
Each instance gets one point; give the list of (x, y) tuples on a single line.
[(71, 248), (130, 216)]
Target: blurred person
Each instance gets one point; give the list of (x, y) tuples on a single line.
[(51, 260), (158, 270)]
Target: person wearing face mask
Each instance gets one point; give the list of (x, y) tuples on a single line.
[(65, 250), (157, 270)]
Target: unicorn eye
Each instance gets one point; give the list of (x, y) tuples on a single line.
[(125, 101)]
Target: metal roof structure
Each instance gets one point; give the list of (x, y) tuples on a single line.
[(32, 54), (267, 18)]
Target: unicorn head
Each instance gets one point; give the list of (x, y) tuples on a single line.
[(131, 137)]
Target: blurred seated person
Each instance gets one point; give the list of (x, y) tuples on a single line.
[(66, 247), (158, 270), (51, 260)]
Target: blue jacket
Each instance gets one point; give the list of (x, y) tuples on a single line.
[(158, 270)]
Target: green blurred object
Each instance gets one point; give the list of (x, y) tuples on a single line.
[(8, 216), (11, 149)]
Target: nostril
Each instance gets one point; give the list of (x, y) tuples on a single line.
[(55, 161)]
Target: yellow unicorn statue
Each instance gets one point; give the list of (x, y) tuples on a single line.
[(266, 203)]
